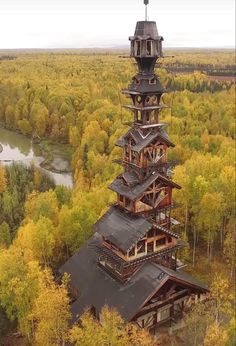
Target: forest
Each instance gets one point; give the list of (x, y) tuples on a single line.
[(75, 98)]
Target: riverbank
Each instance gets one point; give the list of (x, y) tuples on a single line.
[(53, 158), (57, 156)]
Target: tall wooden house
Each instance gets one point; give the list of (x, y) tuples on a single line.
[(131, 263)]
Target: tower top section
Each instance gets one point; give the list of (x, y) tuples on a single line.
[(146, 43), (146, 29)]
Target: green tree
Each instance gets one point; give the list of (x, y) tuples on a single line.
[(5, 235)]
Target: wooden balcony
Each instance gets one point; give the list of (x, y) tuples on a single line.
[(157, 256)]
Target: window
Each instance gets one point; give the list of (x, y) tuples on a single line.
[(162, 194), (138, 48), (160, 242), (121, 199), (150, 247), (164, 314), (169, 239), (152, 81), (138, 99), (154, 99), (131, 252), (161, 276), (128, 203), (141, 247), (134, 157), (149, 48), (132, 47)]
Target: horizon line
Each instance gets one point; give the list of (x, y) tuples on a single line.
[(114, 48)]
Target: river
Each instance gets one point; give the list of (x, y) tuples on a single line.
[(15, 147)]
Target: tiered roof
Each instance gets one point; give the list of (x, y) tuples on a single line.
[(142, 141), (134, 192), (97, 288), (122, 228)]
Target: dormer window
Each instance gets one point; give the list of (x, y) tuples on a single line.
[(152, 81)]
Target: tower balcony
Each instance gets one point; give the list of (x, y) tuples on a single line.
[(122, 270), (144, 163)]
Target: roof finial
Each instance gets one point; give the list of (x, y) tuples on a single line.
[(146, 2)]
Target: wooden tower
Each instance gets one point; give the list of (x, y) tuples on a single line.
[(132, 257), (144, 190)]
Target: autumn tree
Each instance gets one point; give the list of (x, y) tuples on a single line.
[(37, 240), (196, 322), (210, 217), (216, 335), (18, 287), (42, 205), (3, 181), (111, 330), (50, 312)]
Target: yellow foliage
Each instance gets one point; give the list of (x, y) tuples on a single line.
[(50, 313), (111, 330), (3, 180), (215, 336)]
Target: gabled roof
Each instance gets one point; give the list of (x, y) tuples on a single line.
[(142, 141), (122, 228), (97, 288), (133, 192)]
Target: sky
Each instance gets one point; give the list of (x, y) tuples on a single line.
[(109, 23)]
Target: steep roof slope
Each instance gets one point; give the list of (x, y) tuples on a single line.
[(97, 288)]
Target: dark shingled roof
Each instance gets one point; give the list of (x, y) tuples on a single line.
[(133, 192), (146, 28), (142, 142), (144, 86), (130, 178), (97, 288), (121, 228)]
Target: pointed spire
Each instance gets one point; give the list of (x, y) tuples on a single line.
[(146, 2)]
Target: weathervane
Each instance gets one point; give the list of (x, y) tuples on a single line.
[(146, 2)]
